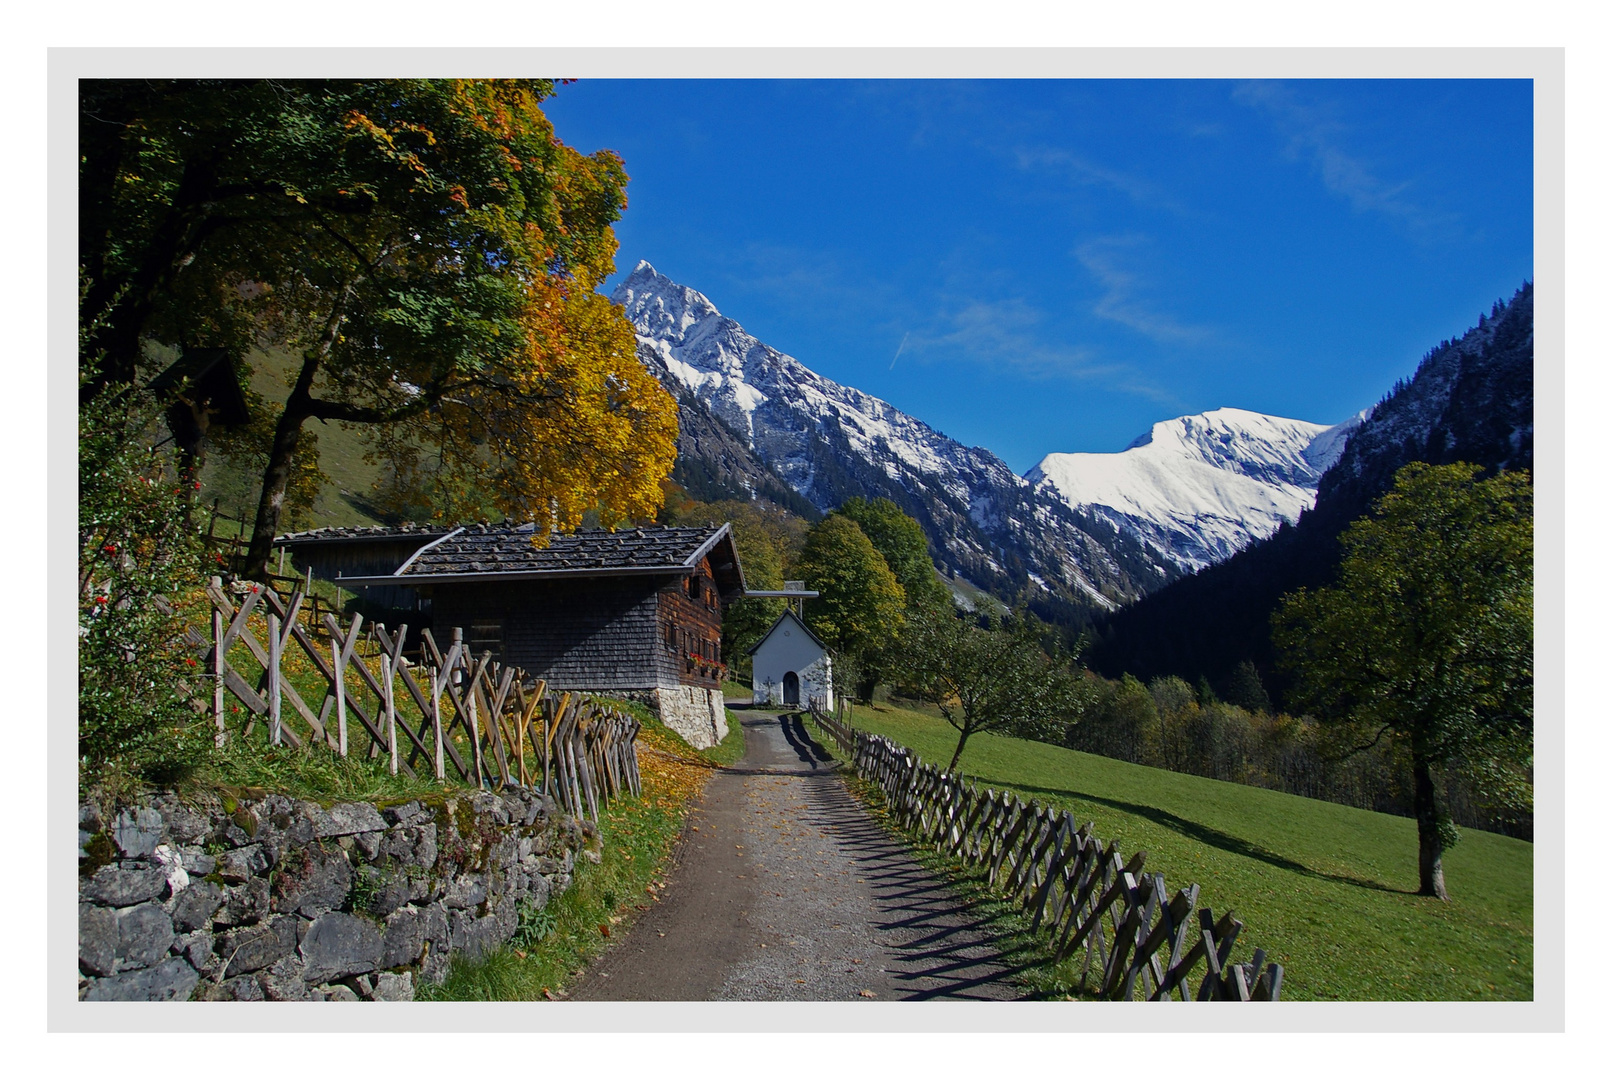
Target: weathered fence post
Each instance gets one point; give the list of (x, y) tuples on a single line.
[(341, 651), (274, 679), (389, 705), (218, 665)]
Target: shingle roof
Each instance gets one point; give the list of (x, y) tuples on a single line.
[(503, 549), (338, 533)]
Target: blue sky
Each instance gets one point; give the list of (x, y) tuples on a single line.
[(1036, 266)]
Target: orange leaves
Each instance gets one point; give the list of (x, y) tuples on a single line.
[(670, 778)]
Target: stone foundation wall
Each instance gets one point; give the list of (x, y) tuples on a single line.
[(270, 898), (697, 714)]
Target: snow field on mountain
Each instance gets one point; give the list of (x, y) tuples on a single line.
[(1201, 487)]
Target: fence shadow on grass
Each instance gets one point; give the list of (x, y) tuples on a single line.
[(1203, 834)]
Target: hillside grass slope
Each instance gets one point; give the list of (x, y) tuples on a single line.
[(1327, 890)]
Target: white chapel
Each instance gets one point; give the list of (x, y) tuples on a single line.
[(790, 665)]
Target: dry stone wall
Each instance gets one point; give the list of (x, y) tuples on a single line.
[(264, 897)]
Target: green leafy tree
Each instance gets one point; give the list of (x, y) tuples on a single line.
[(991, 676), (1427, 636), (1121, 720), (901, 541), (756, 537), (427, 248), (905, 548), (859, 609), (1178, 712), (1245, 688)]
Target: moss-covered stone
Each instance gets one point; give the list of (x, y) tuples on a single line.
[(99, 851)]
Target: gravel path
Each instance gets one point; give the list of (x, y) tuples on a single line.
[(784, 889)]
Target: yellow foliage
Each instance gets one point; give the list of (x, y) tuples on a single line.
[(600, 433)]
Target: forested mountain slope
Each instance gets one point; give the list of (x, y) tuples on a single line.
[(1471, 399)]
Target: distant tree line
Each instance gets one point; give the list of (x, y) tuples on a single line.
[(1168, 724)]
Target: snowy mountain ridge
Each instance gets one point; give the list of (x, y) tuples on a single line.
[(1200, 488), (1090, 529), (830, 442), (750, 386)]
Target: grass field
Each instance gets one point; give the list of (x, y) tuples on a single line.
[(1328, 890)]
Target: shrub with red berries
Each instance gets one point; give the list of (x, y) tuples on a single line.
[(137, 551)]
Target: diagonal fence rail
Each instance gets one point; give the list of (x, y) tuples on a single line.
[(1136, 938), (354, 689)]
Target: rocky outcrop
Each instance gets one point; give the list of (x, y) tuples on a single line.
[(263, 897)]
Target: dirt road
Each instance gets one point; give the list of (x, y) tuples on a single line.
[(783, 889)]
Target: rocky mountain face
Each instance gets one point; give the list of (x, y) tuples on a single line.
[(766, 416), (1200, 488), (1471, 399), (1235, 507)]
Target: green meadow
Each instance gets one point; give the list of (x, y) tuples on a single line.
[(1329, 891)]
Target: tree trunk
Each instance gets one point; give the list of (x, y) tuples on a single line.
[(276, 476), (952, 768), (126, 304), (1429, 813), (298, 407)]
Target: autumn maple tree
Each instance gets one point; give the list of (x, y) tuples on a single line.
[(427, 249)]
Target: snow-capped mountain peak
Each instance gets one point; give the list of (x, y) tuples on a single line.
[(762, 393), (1199, 488), (830, 442)]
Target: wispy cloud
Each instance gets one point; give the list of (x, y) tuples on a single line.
[(1315, 136), (797, 278), (961, 321), (1124, 300), (1012, 332), (1080, 170)]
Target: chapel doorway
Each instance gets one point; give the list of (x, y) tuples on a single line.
[(791, 688)]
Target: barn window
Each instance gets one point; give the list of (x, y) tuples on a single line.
[(694, 587)]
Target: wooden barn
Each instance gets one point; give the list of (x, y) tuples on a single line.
[(635, 613)]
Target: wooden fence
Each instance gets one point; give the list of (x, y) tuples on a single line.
[(1083, 893), (352, 688)]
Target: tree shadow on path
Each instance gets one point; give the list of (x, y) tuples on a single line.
[(943, 946)]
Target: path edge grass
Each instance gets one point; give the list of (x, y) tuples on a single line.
[(639, 842)]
